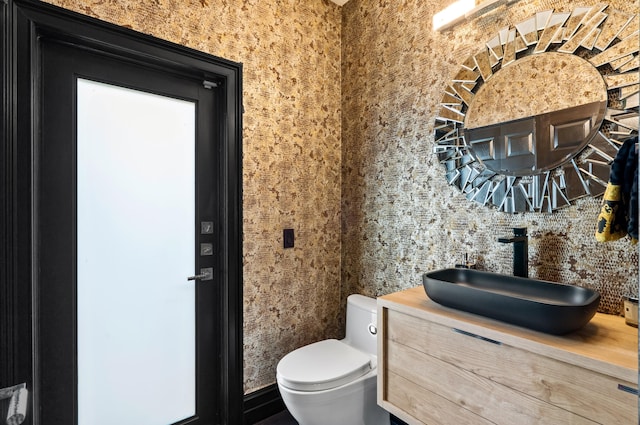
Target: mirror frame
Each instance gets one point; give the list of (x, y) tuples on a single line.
[(607, 39)]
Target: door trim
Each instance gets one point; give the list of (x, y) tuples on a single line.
[(23, 23)]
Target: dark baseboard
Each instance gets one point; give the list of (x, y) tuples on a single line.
[(261, 404), (266, 402)]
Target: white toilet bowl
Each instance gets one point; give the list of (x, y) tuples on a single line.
[(333, 382)]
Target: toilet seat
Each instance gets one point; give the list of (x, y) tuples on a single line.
[(322, 365)]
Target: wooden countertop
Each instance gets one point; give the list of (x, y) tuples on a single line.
[(606, 344)]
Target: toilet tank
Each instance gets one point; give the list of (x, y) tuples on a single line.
[(361, 330)]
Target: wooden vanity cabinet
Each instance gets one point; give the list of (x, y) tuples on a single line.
[(439, 366)]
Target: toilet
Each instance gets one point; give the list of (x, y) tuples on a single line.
[(333, 382)]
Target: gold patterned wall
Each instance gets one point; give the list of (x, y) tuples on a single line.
[(338, 138), (400, 217), (290, 50)]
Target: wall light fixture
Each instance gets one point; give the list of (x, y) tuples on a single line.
[(462, 10)]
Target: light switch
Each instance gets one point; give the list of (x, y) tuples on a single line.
[(288, 238)]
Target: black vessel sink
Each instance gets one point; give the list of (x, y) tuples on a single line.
[(535, 304)]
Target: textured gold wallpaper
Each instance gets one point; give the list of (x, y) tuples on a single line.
[(518, 91), (346, 160), (290, 50), (400, 218)]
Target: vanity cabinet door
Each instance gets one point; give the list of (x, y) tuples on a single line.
[(433, 370), (426, 406)]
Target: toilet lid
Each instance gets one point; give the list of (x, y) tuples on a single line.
[(322, 365)]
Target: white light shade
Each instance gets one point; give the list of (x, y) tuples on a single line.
[(452, 12)]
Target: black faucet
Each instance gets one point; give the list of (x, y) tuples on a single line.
[(520, 251)]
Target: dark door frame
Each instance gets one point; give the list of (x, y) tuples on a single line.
[(22, 22)]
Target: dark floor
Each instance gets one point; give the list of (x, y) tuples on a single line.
[(282, 418)]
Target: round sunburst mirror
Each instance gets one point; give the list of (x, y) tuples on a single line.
[(533, 120)]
